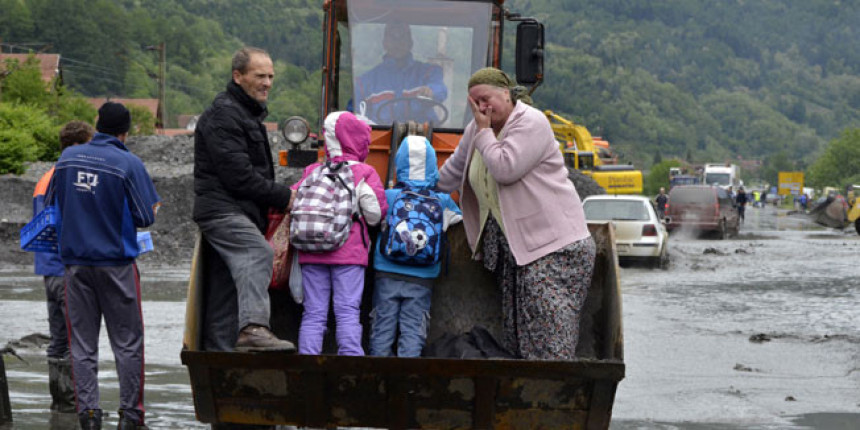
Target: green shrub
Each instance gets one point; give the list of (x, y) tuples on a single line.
[(27, 133), (142, 121), (658, 176), (16, 147)]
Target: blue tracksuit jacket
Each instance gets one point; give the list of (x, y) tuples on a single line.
[(104, 194)]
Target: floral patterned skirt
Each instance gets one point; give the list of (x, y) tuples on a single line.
[(542, 301)]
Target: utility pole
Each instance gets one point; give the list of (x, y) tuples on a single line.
[(162, 83)]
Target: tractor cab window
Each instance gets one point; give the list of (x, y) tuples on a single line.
[(586, 160), (411, 60)]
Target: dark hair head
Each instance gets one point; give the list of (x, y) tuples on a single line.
[(114, 119), (242, 58), (75, 132)]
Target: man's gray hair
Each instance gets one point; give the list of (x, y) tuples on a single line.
[(242, 57)]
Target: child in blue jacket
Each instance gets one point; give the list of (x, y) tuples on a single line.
[(404, 279)]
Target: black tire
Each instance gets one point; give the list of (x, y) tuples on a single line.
[(585, 186), (661, 262), (857, 225), (723, 232), (736, 231)]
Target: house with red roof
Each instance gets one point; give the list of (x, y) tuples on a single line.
[(48, 63)]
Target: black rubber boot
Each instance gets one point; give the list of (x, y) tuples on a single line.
[(65, 398), (91, 419), (53, 382), (126, 423)]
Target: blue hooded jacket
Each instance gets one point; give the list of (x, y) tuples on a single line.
[(45, 263), (104, 194), (416, 168)]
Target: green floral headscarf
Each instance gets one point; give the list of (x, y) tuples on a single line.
[(497, 78)]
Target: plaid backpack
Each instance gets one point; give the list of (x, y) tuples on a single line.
[(413, 232), (324, 209)]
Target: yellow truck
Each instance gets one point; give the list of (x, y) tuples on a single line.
[(583, 153)]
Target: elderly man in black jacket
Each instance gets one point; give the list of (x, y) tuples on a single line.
[(234, 186)]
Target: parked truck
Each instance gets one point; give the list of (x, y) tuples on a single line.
[(679, 176), (388, 392), (723, 175)]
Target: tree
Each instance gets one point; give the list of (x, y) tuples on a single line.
[(23, 83), (31, 116), (26, 134), (839, 165), (780, 162), (658, 176), (142, 121)]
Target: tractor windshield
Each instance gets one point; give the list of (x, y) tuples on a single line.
[(411, 60)]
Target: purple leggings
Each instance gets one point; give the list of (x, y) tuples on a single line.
[(343, 286)]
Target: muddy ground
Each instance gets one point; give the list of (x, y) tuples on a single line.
[(761, 331)]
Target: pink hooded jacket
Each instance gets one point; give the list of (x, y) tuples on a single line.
[(348, 139)]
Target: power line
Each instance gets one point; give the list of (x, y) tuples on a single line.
[(124, 85), (90, 65), (105, 73)]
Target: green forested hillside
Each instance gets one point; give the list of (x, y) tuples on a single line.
[(709, 81)]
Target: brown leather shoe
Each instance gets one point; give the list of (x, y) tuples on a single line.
[(255, 338)]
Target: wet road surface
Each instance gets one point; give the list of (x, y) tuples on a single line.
[(761, 331)]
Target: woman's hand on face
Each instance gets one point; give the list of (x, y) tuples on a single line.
[(482, 119)]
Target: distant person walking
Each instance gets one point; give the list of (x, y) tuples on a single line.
[(661, 201), (741, 200), (50, 266), (104, 194), (804, 201)]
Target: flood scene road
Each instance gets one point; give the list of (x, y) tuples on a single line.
[(760, 331)]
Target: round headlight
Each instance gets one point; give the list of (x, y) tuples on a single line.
[(296, 130)]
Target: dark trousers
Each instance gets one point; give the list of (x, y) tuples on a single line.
[(112, 292), (220, 313), (55, 293)]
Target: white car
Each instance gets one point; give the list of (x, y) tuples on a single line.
[(639, 233)]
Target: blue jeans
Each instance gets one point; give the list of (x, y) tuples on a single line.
[(398, 301)]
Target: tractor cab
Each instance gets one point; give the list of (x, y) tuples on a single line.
[(403, 67)]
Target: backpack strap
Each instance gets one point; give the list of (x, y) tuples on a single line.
[(357, 215)]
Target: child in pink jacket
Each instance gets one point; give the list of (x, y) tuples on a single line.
[(338, 276)]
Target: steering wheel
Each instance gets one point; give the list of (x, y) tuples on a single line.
[(403, 109)]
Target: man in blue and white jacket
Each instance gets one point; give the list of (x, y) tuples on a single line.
[(104, 194)]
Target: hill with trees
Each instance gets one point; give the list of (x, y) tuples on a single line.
[(704, 81)]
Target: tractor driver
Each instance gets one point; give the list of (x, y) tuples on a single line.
[(400, 88)]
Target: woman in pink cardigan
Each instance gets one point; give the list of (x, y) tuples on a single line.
[(523, 217)]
